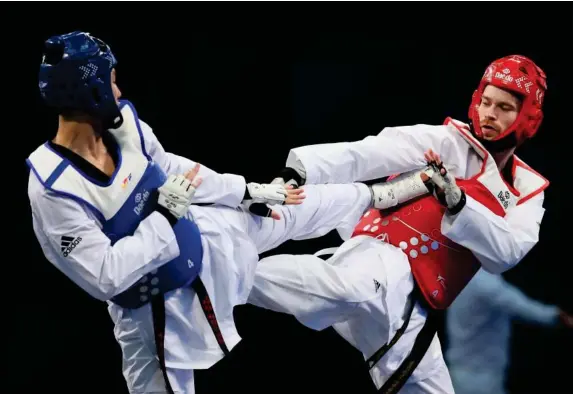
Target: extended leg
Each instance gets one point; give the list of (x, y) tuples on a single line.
[(326, 207)]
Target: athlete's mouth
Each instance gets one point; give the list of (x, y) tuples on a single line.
[(489, 128), (489, 131)]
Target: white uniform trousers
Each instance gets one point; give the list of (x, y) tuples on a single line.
[(362, 292)]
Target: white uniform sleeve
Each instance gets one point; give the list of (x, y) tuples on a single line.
[(508, 299), (394, 150), (99, 268), (498, 243), (224, 189)]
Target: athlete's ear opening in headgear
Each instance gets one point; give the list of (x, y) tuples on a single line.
[(75, 77), (523, 78)]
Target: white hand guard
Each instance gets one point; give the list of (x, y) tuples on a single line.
[(267, 193), (286, 177), (449, 194), (176, 194)]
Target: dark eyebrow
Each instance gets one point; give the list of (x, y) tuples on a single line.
[(500, 102), (507, 103)]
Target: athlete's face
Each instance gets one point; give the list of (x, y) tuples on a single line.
[(497, 111)]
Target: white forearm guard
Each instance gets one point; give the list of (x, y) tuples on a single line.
[(403, 188)]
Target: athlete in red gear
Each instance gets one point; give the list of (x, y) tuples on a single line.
[(463, 201)]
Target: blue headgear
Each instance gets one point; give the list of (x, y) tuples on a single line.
[(75, 75)]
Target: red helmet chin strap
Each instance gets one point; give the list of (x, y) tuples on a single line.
[(519, 75)]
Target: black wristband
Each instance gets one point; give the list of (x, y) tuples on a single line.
[(168, 215), (458, 207)]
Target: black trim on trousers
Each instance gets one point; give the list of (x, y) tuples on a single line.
[(421, 345), (158, 312)]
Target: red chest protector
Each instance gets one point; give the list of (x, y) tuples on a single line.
[(441, 267)]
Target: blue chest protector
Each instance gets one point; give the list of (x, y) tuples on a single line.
[(179, 272), (123, 202)]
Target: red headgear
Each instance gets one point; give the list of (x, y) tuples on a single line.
[(520, 75)]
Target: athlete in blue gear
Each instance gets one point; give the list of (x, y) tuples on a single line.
[(112, 211)]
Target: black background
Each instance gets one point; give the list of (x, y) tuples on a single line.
[(235, 87)]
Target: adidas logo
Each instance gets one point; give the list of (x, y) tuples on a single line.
[(68, 244)]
